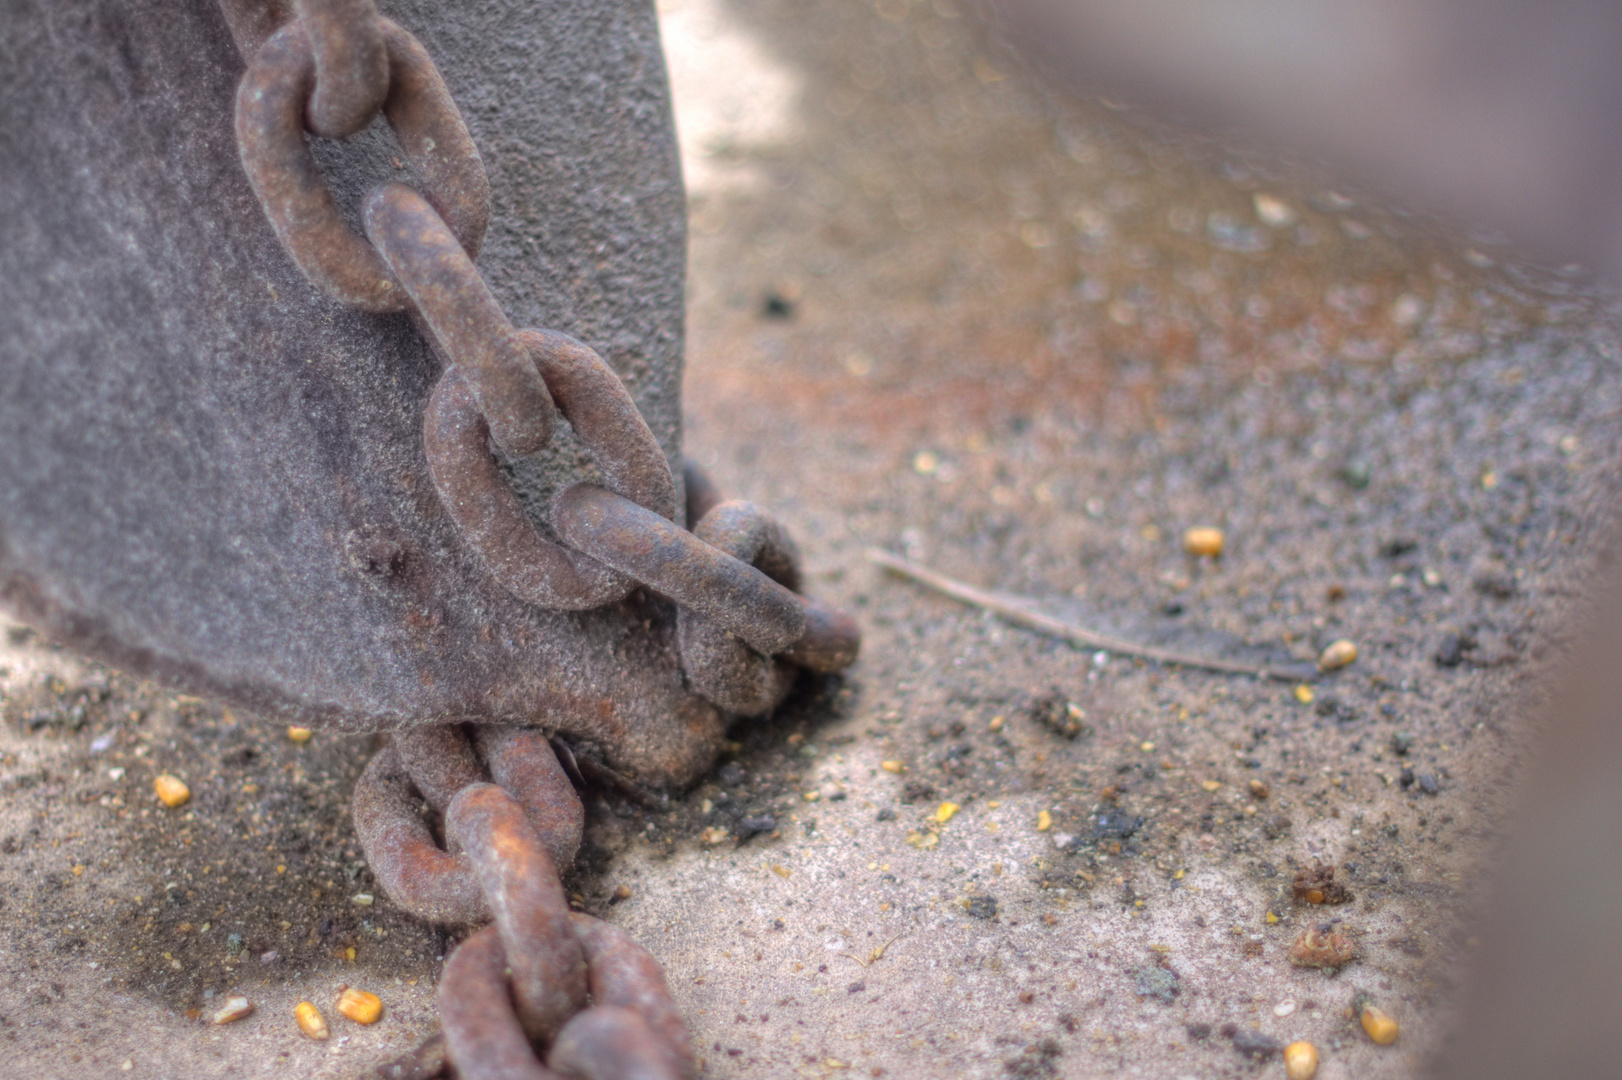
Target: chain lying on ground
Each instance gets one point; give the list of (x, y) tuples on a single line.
[(524, 981), (541, 976)]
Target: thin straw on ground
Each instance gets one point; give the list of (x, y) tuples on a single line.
[(1020, 614)]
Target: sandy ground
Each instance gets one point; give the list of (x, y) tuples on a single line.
[(940, 307)]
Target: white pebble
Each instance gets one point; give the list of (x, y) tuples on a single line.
[(235, 1009), (1284, 1008), (1273, 211)]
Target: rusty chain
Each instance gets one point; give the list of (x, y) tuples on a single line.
[(541, 976), (500, 382)]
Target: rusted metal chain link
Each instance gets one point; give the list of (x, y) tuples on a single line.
[(719, 665), (541, 976), (271, 105), (500, 380), (462, 315), (632, 1029), (351, 64), (426, 880), (546, 971), (545, 960), (727, 591)]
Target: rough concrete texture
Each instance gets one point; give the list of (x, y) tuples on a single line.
[(1028, 341)]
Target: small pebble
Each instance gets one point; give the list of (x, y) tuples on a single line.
[(1210, 785), (1252, 1044), (1304, 694), (364, 899), (1381, 1028), (1337, 655), (1258, 789), (754, 825), (1356, 474), (299, 734), (172, 791), (310, 1021), (944, 812), (360, 1006), (1300, 1061), (891, 766), (234, 1009), (1323, 947), (1203, 541), (1044, 821), (1284, 1008), (1273, 210)]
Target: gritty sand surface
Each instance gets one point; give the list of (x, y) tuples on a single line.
[(940, 307)]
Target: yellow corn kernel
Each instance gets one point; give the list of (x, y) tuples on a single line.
[(172, 791), (891, 766), (1044, 821), (1300, 1061), (944, 812), (309, 1020), (1381, 1028), (360, 1006), (1203, 540), (299, 734), (1337, 655), (1304, 694)]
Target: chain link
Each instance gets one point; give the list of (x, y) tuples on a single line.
[(351, 64), (420, 256), (541, 976), (272, 101)]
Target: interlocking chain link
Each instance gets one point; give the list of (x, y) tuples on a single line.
[(541, 975), (418, 255)]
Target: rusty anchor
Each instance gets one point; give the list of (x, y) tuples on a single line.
[(275, 436)]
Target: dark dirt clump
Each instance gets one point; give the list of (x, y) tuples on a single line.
[(1319, 885)]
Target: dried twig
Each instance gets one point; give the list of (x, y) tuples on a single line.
[(1018, 613), (876, 955)]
